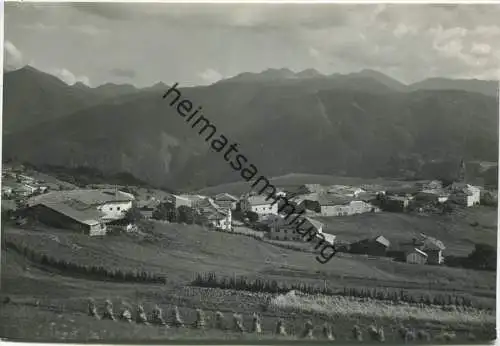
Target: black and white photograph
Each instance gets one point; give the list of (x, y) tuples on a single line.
[(249, 173)]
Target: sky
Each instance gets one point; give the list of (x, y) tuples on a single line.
[(198, 44)]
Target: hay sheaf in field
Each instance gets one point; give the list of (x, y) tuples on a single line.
[(338, 305)]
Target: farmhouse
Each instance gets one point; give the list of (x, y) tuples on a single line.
[(259, 205), (465, 194), (344, 190), (433, 248), (308, 188), (281, 228), (113, 204), (69, 214), (416, 256), (396, 203), (337, 205), (375, 247), (146, 208), (430, 185), (431, 196), (213, 215), (178, 201), (24, 189), (226, 201)]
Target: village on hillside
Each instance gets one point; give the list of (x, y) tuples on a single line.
[(99, 210)]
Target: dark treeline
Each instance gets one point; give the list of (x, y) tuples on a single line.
[(94, 272), (211, 280)]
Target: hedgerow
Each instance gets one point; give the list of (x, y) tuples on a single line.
[(95, 272), (211, 280)]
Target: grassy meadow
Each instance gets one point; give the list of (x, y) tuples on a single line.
[(51, 299)]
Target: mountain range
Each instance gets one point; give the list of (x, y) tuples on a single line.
[(358, 124)]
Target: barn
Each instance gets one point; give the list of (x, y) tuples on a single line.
[(67, 216), (416, 256)]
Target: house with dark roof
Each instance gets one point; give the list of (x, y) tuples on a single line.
[(376, 246), (113, 204), (259, 204), (396, 203), (282, 228), (431, 246), (69, 215), (416, 256)]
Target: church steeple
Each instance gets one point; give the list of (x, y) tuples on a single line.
[(461, 172)]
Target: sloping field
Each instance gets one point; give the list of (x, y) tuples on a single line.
[(297, 179), (181, 251), (459, 231)]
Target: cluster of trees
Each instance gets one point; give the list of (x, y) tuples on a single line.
[(183, 214), (483, 257), (251, 216), (94, 272), (272, 286), (490, 199)]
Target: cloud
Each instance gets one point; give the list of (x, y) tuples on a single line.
[(68, 77), (210, 76), (480, 49), (87, 29), (122, 72), (39, 26), (13, 56), (314, 53), (251, 16)]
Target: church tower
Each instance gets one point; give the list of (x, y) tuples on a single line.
[(461, 172)]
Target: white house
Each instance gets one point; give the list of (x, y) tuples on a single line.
[(259, 205), (179, 200), (465, 194), (342, 205), (220, 219), (24, 189)]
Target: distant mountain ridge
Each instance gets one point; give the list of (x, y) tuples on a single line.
[(486, 87), (355, 124)]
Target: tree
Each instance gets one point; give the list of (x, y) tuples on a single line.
[(133, 215), (186, 214), (166, 211), (484, 256), (252, 216)]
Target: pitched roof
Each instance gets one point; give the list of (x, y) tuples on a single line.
[(259, 200), (382, 240), (344, 189), (431, 243), (89, 216), (334, 199), (225, 197), (329, 237), (89, 197), (420, 252), (315, 223)]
